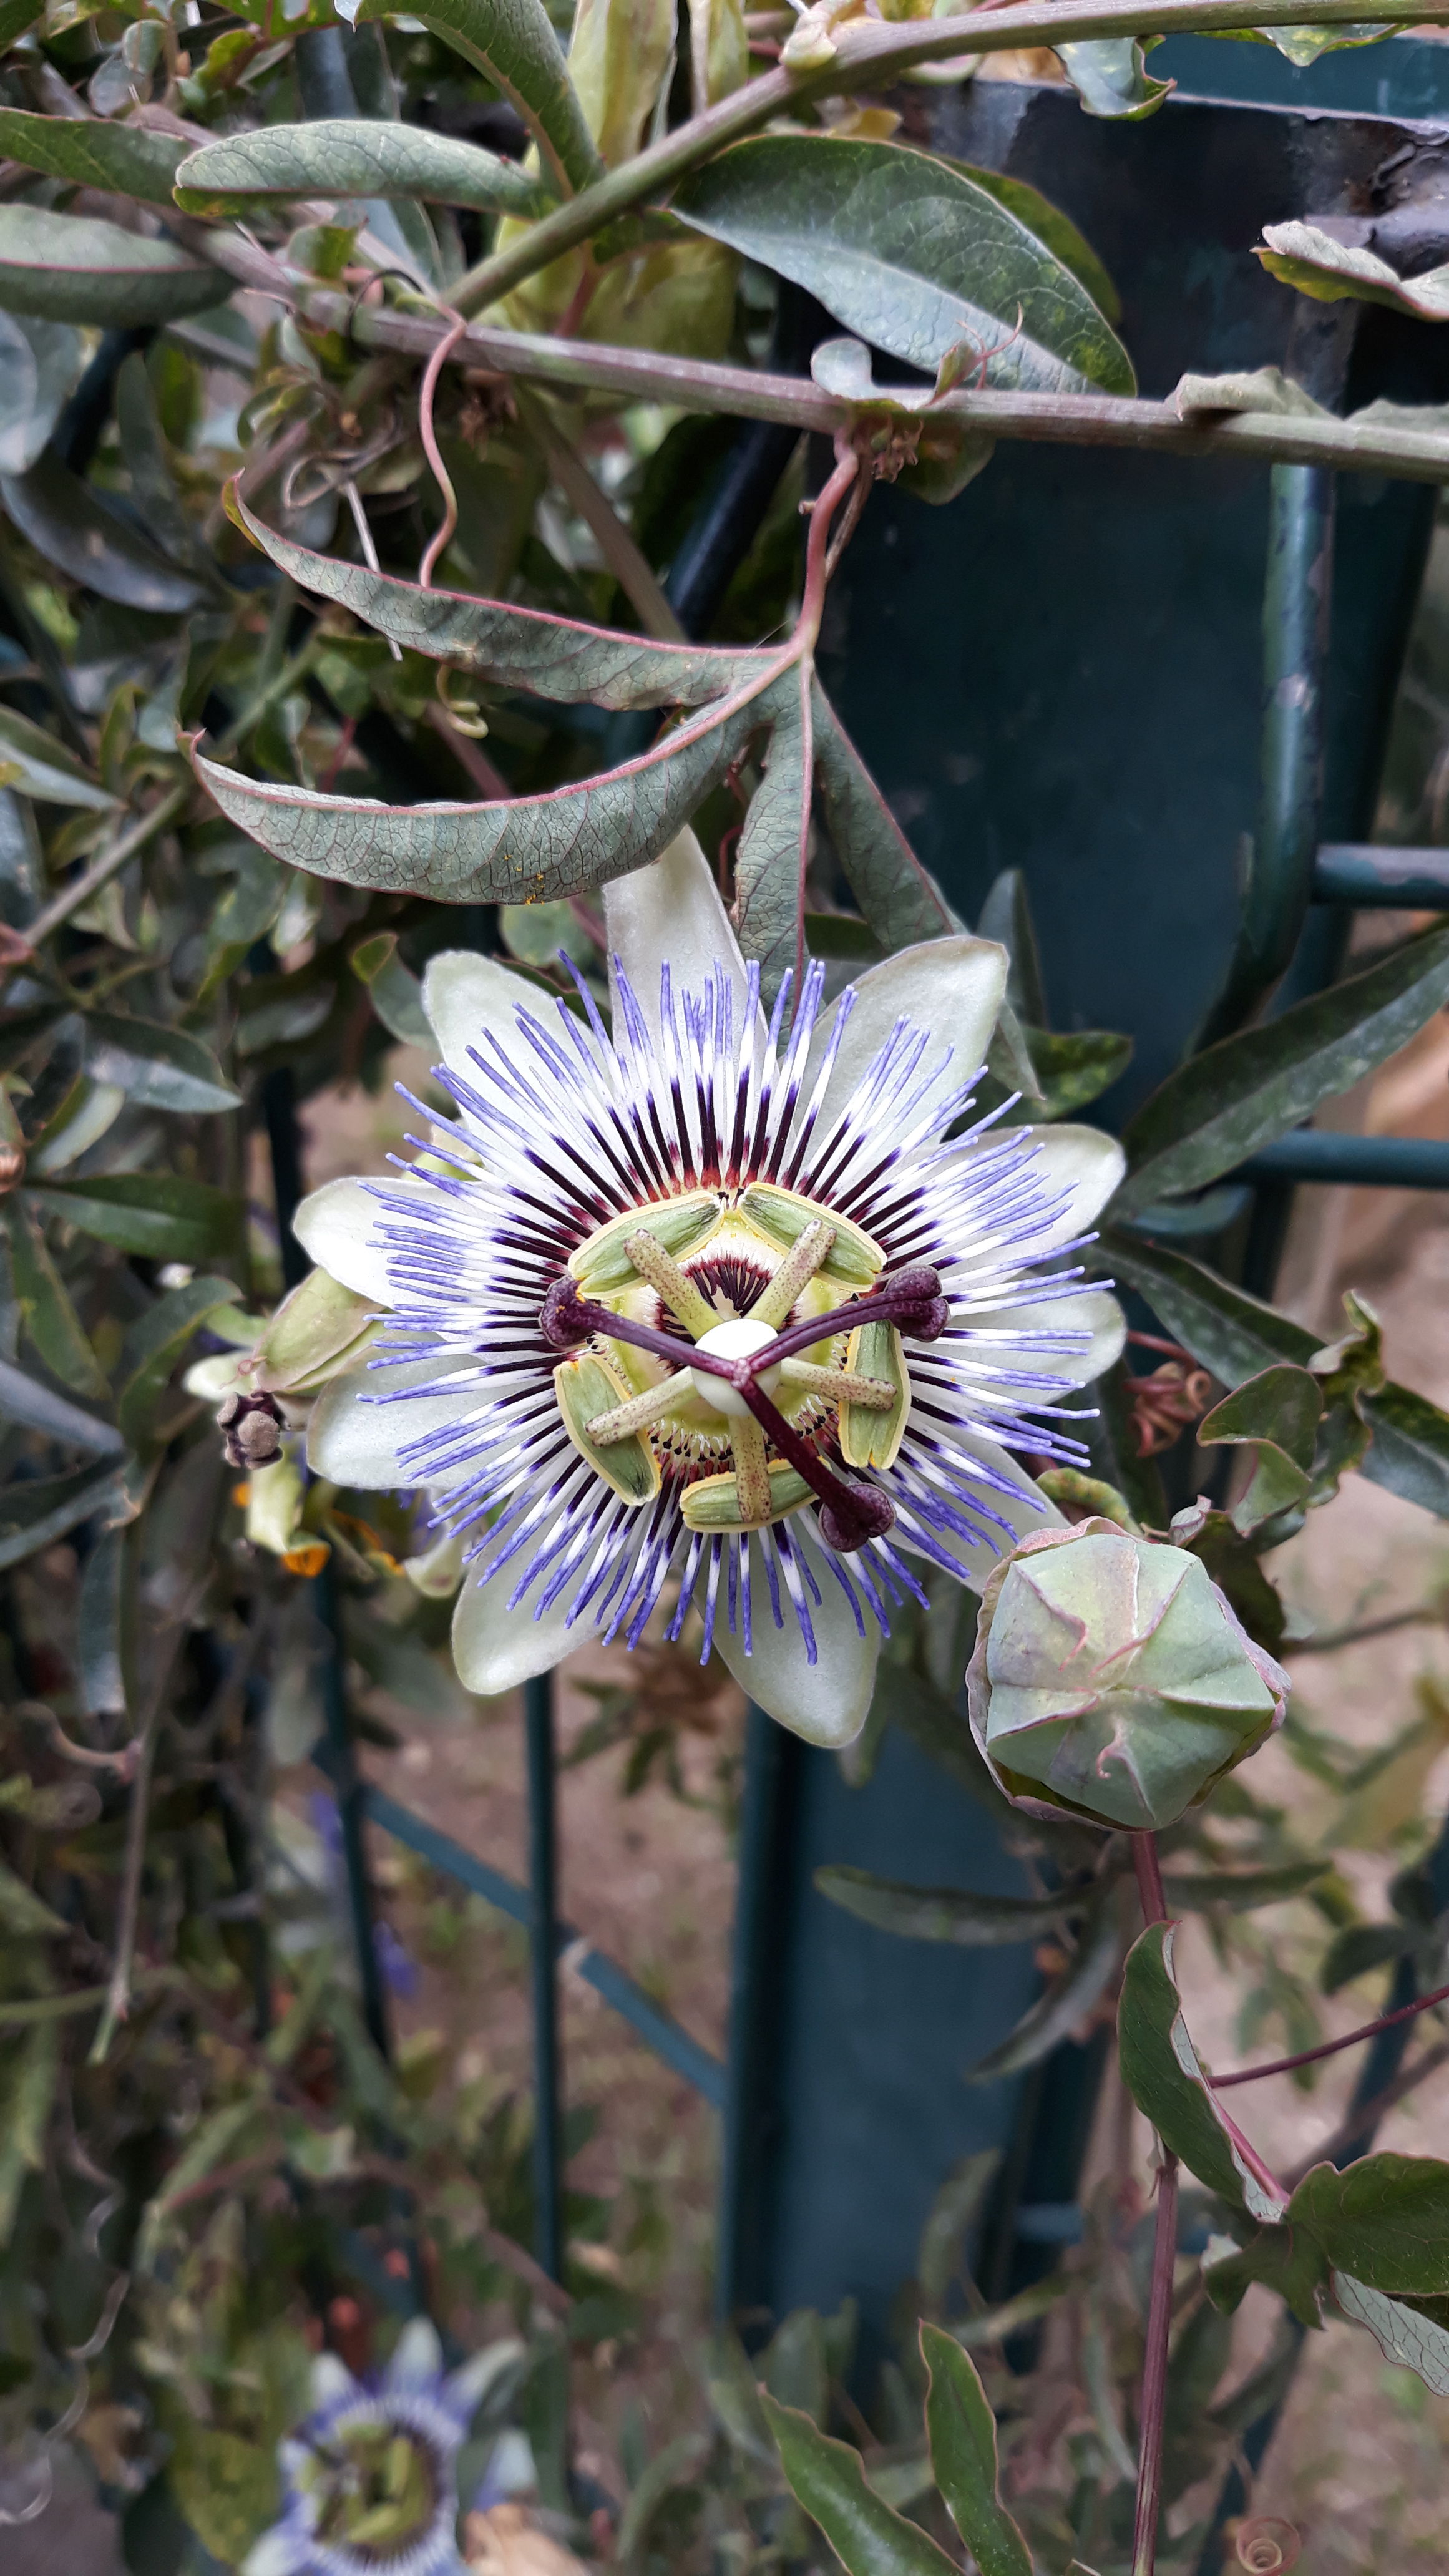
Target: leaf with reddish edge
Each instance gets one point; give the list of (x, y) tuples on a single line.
[(962, 2433), (1161, 2072), (519, 648), (529, 849)]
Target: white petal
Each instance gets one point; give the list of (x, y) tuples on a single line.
[(1025, 1508), (496, 1648), (670, 914), (1095, 1314), (354, 1440), (468, 2386), (953, 987), (466, 996), (337, 1226), (826, 1701), (1088, 1166), (282, 2551), (417, 2359), (332, 2382)]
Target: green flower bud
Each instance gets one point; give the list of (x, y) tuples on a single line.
[(1111, 1679)]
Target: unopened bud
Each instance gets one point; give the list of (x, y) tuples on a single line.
[(251, 1427), (12, 1167), (1111, 1679)]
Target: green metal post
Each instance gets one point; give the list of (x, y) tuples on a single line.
[(543, 1924), (1296, 602)]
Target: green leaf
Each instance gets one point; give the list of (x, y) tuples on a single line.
[(15, 17), (154, 493), (1385, 2219), (1216, 1109), (953, 2213), (157, 1214), (1242, 1889), (1304, 256), (78, 268), (40, 366), (1110, 80), (1415, 2342), (899, 898), (1160, 2069), (130, 160), (518, 648), (1051, 226), (40, 1408), (226, 2487), (513, 44), (22, 1912), (157, 1067), (359, 156), (774, 851), (942, 1913), (101, 1624), (43, 1508), (911, 255), (1236, 1335), (868, 2536), (29, 2073), (397, 996), (962, 2433), (1065, 2002), (1276, 1413), (1358, 1949), (51, 1320), (41, 766), (67, 524), (1074, 1068), (153, 1347)]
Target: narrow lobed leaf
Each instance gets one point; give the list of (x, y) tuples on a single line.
[(962, 2433), (513, 43), (827, 2478)]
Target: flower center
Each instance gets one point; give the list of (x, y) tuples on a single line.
[(377, 2490), (663, 1387)]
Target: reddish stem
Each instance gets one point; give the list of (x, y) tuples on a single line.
[(431, 450), (1152, 2410), (1331, 2047)]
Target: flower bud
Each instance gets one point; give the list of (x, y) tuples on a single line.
[(1111, 1679)]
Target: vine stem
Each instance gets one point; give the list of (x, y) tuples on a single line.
[(1152, 2411), (869, 55), (1331, 2047)]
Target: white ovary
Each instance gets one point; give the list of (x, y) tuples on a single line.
[(738, 1339)]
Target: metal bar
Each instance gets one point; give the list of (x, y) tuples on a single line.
[(1378, 1162), (1381, 878), (1296, 603), (543, 1935), (751, 2113), (654, 2026)]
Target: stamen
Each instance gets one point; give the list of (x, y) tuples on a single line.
[(874, 1393), (641, 1410), (850, 1514), (795, 1272), (674, 1285), (752, 1471)]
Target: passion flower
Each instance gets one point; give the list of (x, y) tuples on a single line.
[(371, 2476), (747, 1306), (1112, 1680)]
